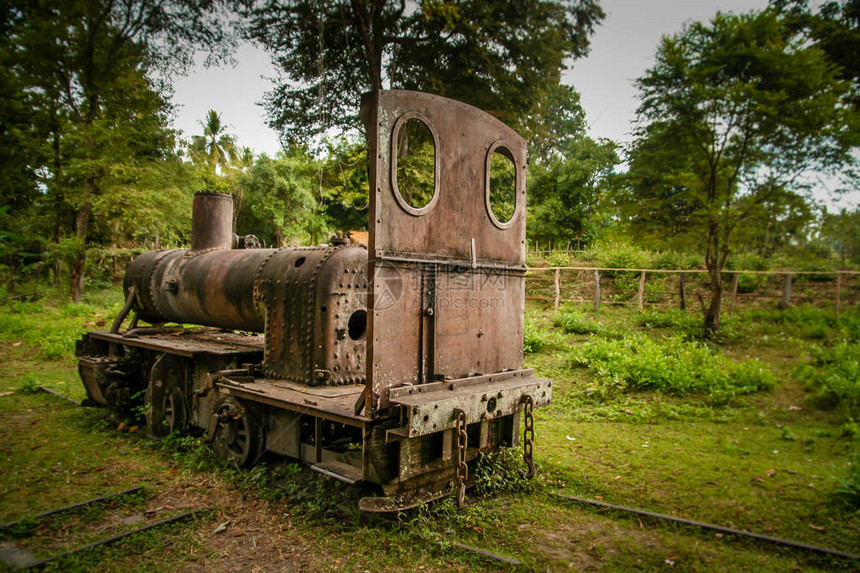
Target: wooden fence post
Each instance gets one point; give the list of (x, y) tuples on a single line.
[(786, 292), (641, 290), (838, 293), (557, 289), (596, 306), (682, 290), (734, 298)]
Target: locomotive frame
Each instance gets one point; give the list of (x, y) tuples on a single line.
[(393, 366)]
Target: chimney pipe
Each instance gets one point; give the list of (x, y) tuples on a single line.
[(211, 221)]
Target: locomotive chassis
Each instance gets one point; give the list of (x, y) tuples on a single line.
[(436, 385)]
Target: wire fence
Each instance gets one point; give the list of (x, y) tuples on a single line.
[(682, 288)]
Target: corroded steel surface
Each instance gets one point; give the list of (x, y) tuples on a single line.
[(312, 299), (212, 221), (447, 297), (309, 301)]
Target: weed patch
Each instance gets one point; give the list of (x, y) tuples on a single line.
[(535, 339), (834, 375), (574, 321), (673, 366)]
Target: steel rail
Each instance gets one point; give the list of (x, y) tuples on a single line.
[(711, 526), (70, 507), (112, 539), (485, 553), (58, 395)]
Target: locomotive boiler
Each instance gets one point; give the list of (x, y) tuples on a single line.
[(392, 366)]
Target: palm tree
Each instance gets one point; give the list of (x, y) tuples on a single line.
[(241, 163), (217, 146)]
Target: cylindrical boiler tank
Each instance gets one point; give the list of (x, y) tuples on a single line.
[(310, 301)]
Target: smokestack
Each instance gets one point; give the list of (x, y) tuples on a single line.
[(211, 221)]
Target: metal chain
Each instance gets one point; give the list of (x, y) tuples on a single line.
[(462, 468), (528, 437)]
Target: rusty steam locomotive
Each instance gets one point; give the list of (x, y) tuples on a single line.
[(393, 365)]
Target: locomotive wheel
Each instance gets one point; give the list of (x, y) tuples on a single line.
[(166, 410), (237, 437)]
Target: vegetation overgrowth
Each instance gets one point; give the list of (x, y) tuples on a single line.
[(757, 431), (98, 173), (748, 418)]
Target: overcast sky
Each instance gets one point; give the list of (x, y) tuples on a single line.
[(622, 49)]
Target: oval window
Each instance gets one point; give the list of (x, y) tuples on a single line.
[(502, 183), (414, 162)]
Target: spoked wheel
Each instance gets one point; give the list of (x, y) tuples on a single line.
[(166, 409), (237, 437), (165, 412)]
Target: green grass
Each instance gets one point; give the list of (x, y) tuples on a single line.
[(773, 458)]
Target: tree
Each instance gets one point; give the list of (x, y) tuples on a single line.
[(86, 71), (243, 161), (280, 194), (502, 56), (568, 198), (839, 230), (216, 146), (346, 184), (834, 28), (782, 220), (732, 113)]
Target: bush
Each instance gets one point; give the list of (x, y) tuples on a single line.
[(673, 365), (534, 339), (835, 375), (496, 473), (691, 324), (623, 256), (559, 260), (30, 384), (676, 260), (809, 322), (576, 322), (678, 319)]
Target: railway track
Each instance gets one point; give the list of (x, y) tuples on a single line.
[(19, 552)]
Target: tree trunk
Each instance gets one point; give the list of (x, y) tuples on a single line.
[(82, 223), (712, 314)]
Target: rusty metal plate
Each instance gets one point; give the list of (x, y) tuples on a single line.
[(465, 136), (447, 294), (338, 408), (482, 398), (190, 345)]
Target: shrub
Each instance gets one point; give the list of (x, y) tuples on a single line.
[(809, 322), (673, 365), (576, 322), (678, 319), (676, 260), (30, 384), (623, 256), (534, 339), (496, 473), (835, 375), (559, 260)]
